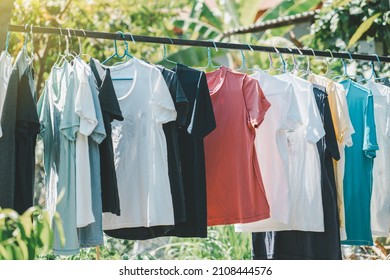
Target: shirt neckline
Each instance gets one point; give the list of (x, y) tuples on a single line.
[(131, 63), (222, 72)]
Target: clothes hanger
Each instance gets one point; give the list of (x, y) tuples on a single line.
[(327, 72), (165, 58), (67, 52), (271, 63), (283, 67), (116, 54), (295, 70), (308, 67), (209, 61), (373, 73), (81, 54), (24, 48), (125, 55), (345, 70), (128, 55)]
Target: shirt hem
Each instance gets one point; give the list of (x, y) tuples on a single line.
[(216, 222)]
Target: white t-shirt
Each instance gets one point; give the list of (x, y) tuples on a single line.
[(272, 152), (380, 199), (5, 74), (304, 163), (85, 109), (140, 150), (337, 97)]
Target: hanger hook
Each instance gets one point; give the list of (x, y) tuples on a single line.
[(131, 37), (294, 58), (271, 63), (327, 62), (249, 46), (282, 60), (126, 44), (170, 40), (373, 74), (215, 46)]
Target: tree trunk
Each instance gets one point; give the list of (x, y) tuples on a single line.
[(6, 7)]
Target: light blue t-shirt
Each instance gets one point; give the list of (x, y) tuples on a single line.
[(59, 126), (359, 160)]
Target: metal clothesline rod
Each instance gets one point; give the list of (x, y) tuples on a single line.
[(195, 43)]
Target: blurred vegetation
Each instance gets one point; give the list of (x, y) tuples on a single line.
[(24, 237), (339, 27)]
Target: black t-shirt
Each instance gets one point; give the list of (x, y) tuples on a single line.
[(110, 111), (174, 165), (301, 245), (8, 142), (26, 131), (200, 121)]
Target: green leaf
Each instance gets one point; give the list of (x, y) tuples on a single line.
[(23, 249), (4, 253), (60, 228), (362, 29), (248, 10), (195, 29), (340, 3)]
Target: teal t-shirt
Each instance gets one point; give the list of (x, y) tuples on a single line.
[(359, 160)]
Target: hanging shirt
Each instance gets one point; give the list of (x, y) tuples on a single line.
[(235, 191), (380, 200), (343, 129), (359, 160), (5, 74), (172, 137), (304, 245), (110, 112), (304, 161), (26, 131), (85, 109), (282, 116), (59, 126), (8, 140), (140, 150), (174, 165), (200, 122), (92, 234)]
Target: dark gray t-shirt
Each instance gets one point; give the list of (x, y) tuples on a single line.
[(7, 141)]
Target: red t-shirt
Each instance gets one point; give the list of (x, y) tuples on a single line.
[(235, 191)]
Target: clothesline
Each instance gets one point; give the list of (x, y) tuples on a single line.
[(196, 43)]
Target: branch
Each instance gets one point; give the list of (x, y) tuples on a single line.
[(65, 8)]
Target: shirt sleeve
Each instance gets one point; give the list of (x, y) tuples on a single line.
[(202, 116), (314, 128), (293, 118), (256, 103), (99, 133), (370, 145), (43, 114), (163, 107), (84, 106)]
